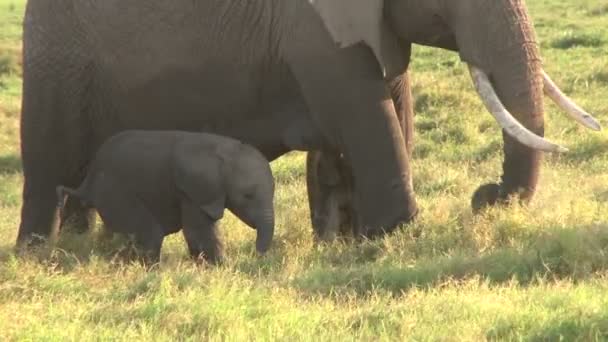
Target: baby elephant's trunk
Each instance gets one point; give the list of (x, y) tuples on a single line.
[(265, 233)]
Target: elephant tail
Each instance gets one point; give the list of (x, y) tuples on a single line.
[(62, 192)]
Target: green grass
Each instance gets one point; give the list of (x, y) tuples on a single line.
[(518, 273)]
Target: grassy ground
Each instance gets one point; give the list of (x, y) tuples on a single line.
[(535, 273)]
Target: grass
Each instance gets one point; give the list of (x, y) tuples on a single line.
[(517, 273)]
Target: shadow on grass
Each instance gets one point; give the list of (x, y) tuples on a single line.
[(73, 250), (330, 254), (10, 163), (8, 64), (598, 10), (585, 150), (567, 328), (571, 40), (600, 77), (573, 253)]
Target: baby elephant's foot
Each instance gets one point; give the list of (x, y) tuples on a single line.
[(148, 259), (132, 254), (215, 258), (148, 250), (203, 243)]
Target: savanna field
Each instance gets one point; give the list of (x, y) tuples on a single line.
[(538, 272)]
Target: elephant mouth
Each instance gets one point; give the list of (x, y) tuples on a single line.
[(514, 128)]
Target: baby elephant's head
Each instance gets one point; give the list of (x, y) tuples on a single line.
[(250, 192)]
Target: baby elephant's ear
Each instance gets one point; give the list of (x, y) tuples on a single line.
[(200, 181), (215, 209)]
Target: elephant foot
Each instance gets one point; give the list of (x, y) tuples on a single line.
[(492, 194), (30, 243), (34, 246), (333, 220), (486, 195)]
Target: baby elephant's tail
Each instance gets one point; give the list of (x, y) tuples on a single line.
[(62, 192)]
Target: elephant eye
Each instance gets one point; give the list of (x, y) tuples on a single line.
[(249, 196)]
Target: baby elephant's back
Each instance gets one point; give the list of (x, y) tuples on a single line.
[(136, 150), (204, 144), (139, 161)]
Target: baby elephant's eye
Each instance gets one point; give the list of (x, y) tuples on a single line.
[(249, 196)]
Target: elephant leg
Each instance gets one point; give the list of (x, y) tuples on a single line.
[(200, 233), (321, 200), (123, 212), (329, 180), (54, 128), (149, 239), (40, 219), (76, 217), (53, 151), (330, 201)]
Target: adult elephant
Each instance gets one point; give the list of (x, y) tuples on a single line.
[(497, 41), (267, 72)]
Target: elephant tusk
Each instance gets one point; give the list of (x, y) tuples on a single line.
[(504, 118), (562, 101)]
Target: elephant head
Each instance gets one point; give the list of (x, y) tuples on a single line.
[(249, 190), (496, 39), (232, 175)]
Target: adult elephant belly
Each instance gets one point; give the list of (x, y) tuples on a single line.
[(186, 99), (210, 98), (259, 106)]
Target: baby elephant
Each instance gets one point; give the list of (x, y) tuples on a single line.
[(151, 183)]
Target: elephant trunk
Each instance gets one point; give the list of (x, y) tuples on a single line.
[(265, 232), (504, 118), (497, 40), (504, 59), (520, 86)]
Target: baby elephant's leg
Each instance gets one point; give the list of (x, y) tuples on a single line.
[(200, 232), (125, 213)]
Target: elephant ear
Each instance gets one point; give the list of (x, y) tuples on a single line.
[(353, 21), (200, 180)]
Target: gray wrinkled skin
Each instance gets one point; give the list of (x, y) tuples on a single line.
[(152, 183)]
